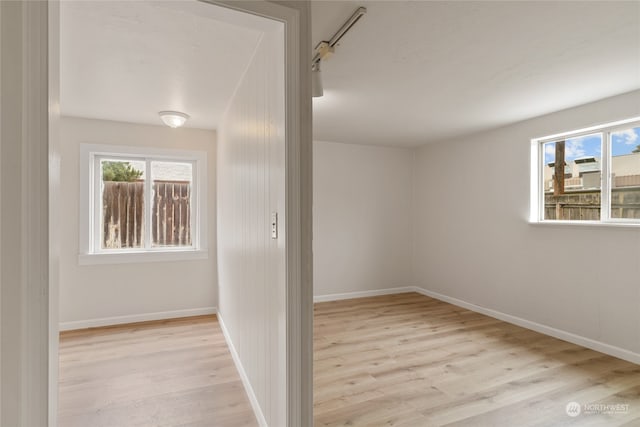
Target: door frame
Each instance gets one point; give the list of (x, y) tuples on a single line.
[(296, 16), (29, 328)]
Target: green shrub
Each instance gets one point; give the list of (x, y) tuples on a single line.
[(120, 172)]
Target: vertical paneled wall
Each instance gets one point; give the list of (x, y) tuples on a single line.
[(252, 265)]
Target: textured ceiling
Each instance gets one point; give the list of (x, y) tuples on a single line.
[(407, 74), (410, 73), (127, 61)]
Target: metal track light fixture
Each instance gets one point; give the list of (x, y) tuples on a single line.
[(325, 49)]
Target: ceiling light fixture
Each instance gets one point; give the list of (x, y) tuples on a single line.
[(173, 119), (325, 49)]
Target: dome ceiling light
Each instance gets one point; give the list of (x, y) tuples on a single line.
[(173, 119)]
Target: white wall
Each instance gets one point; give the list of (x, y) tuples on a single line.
[(24, 266), (91, 292), (11, 242), (1, 287), (252, 266), (361, 218), (473, 241)]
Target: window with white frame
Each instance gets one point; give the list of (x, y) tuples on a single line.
[(141, 201), (588, 176)]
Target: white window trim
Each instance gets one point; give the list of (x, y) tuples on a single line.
[(536, 212), (90, 211)]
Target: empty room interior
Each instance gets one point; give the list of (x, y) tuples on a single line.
[(476, 214)]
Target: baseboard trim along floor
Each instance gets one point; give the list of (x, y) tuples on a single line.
[(363, 294), (135, 318), (243, 375), (605, 348)]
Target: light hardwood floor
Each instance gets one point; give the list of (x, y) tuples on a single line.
[(167, 373), (409, 360), (397, 360)]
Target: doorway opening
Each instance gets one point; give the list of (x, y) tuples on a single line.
[(138, 208)]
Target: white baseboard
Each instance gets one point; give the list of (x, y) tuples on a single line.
[(243, 376), (119, 320), (363, 294), (538, 327)]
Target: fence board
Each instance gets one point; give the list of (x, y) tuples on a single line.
[(123, 214), (584, 205)]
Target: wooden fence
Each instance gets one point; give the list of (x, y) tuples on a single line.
[(171, 214), (124, 217), (584, 205)]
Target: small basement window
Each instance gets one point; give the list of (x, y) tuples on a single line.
[(141, 205), (588, 176)]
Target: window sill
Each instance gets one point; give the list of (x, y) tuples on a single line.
[(586, 224), (141, 257)]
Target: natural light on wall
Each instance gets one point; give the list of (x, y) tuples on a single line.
[(587, 176)]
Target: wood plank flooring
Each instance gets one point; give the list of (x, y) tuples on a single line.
[(167, 373), (409, 360), (398, 360)]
